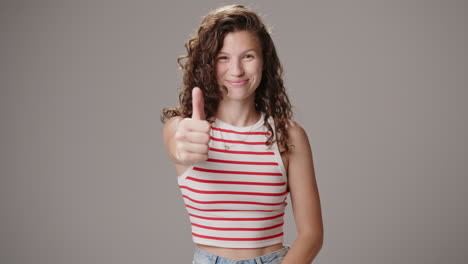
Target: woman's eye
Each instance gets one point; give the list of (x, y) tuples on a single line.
[(225, 58)]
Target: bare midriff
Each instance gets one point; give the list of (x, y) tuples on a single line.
[(239, 254)]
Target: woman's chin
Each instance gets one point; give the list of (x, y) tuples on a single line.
[(237, 98)]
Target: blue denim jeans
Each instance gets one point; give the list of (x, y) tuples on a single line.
[(203, 257)]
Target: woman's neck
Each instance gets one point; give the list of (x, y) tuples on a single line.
[(237, 114)]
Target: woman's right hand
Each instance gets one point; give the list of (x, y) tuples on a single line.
[(192, 135)]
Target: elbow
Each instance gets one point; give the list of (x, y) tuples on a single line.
[(315, 239)]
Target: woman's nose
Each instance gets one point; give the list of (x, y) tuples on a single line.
[(237, 68)]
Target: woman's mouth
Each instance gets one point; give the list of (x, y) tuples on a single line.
[(238, 83)]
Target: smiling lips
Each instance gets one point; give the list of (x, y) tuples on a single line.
[(238, 83)]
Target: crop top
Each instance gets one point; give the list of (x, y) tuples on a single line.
[(237, 197)]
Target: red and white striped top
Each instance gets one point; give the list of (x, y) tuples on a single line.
[(236, 198)]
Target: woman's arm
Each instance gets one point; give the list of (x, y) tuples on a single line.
[(304, 198)]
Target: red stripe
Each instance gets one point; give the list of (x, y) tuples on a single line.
[(232, 202), (237, 229), (243, 162), (237, 193), (239, 172), (238, 141), (236, 182), (237, 219), (243, 152), (225, 210), (241, 133), (238, 239)]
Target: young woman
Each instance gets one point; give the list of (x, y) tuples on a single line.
[(236, 150)]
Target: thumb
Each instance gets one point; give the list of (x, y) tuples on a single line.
[(198, 104)]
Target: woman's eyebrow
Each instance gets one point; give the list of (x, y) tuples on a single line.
[(241, 52)]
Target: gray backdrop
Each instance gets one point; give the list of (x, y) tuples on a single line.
[(380, 87)]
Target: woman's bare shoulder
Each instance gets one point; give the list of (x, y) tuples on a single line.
[(297, 135)]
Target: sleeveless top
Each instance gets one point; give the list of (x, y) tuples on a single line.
[(237, 197)]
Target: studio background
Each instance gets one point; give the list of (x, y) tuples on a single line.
[(379, 86)]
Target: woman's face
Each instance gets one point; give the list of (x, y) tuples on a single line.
[(239, 65)]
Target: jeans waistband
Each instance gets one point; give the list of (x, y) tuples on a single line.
[(201, 256)]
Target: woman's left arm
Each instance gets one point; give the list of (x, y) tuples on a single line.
[(305, 199)]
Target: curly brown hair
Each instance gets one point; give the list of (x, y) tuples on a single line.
[(199, 70)]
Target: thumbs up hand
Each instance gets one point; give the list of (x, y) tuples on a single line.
[(193, 134)]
